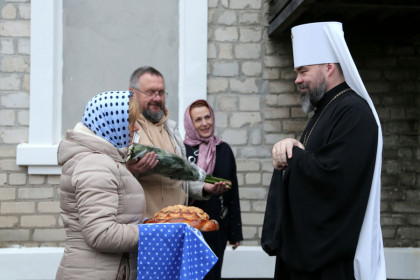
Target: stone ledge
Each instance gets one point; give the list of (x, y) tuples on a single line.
[(249, 262)]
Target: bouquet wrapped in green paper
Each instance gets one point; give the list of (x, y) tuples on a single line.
[(173, 166)]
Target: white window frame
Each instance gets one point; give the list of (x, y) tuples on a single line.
[(46, 83)]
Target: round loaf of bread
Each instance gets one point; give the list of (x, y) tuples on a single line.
[(190, 215)]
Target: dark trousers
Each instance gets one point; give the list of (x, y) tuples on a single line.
[(339, 270)]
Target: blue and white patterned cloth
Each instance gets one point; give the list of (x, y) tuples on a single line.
[(172, 252)]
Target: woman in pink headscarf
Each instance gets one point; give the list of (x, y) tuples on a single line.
[(216, 158)]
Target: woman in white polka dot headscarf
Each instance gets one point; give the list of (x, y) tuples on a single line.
[(101, 201), (106, 115)]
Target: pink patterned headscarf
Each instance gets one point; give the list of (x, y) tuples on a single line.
[(207, 146)]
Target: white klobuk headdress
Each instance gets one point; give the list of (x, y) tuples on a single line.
[(323, 42)]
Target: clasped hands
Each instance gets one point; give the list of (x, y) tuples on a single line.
[(283, 150)]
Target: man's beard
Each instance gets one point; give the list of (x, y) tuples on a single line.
[(152, 116), (312, 96)]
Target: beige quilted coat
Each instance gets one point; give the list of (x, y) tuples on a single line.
[(101, 204)]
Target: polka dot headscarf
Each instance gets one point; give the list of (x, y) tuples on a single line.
[(106, 115)]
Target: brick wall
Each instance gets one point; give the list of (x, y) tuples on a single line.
[(29, 208), (392, 77), (251, 86)]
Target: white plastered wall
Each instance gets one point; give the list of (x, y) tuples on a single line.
[(40, 153)]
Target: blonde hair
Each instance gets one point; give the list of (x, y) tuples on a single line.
[(133, 113)]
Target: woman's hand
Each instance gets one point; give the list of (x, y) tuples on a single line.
[(235, 245), (216, 188), (142, 166)]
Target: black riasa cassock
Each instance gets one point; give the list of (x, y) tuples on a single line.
[(324, 190)]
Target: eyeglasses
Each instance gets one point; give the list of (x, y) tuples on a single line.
[(151, 93)]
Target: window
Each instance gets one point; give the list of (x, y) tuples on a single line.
[(46, 89)]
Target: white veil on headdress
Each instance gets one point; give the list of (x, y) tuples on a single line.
[(329, 46)]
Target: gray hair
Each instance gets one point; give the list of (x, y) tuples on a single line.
[(134, 78)]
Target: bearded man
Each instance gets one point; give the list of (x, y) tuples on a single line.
[(322, 216), (156, 129)]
